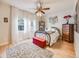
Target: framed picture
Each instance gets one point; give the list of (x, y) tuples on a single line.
[(41, 26), (5, 19), (53, 20)]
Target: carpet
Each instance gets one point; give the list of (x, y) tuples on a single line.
[(28, 50)]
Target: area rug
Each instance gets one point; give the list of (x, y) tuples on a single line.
[(28, 50)]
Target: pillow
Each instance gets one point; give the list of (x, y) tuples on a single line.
[(41, 35)]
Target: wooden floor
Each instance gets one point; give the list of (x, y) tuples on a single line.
[(61, 49), (3, 50)]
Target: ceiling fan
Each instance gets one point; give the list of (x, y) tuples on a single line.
[(39, 8)]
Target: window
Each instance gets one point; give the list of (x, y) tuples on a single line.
[(25, 25), (21, 24)]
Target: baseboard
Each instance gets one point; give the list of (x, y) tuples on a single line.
[(5, 43)]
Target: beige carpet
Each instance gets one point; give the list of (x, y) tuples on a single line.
[(28, 50)]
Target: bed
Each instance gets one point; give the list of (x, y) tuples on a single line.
[(51, 36)]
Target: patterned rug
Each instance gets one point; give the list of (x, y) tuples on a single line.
[(28, 50)]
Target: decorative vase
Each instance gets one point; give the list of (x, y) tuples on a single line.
[(67, 21), (67, 18)]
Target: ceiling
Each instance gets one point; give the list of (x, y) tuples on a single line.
[(54, 5)]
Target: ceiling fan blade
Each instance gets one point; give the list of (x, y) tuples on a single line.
[(43, 12), (45, 8), (37, 11), (39, 7), (40, 11)]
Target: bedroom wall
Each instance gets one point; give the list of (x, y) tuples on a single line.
[(21, 36), (60, 12), (18, 36), (76, 44), (17, 12), (76, 41), (61, 20), (4, 27)]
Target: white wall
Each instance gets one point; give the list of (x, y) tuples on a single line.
[(76, 36), (61, 20), (60, 10), (76, 44), (18, 36), (4, 27), (17, 12)]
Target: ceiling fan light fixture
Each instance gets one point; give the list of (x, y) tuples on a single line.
[(40, 11), (39, 14)]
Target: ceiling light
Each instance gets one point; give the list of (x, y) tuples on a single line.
[(39, 14)]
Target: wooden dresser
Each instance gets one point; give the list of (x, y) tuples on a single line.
[(68, 32)]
